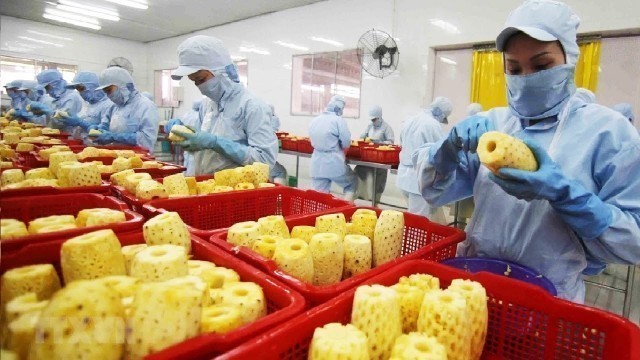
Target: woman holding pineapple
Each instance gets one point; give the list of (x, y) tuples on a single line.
[(581, 208)]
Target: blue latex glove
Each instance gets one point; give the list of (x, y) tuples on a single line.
[(171, 123), (73, 120), (105, 138), (582, 210), (125, 138), (93, 127), (202, 140), (23, 115), (39, 108), (463, 137)]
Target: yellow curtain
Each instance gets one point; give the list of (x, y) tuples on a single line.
[(487, 79), (588, 65)]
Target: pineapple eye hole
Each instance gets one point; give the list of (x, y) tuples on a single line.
[(491, 146), (422, 347), (467, 287), (269, 241), (296, 247), (240, 292), (158, 252)]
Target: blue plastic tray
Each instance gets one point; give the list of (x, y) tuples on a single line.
[(502, 267)]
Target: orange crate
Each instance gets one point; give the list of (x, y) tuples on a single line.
[(289, 144), (304, 146)]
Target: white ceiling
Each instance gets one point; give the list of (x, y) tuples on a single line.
[(163, 18)]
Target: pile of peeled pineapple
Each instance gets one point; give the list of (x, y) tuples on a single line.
[(122, 302), (12, 228), (331, 251), (177, 185), (413, 319)]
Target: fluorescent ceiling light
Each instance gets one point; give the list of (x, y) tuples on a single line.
[(444, 25), (312, 88), (237, 57), (39, 41), (253, 50), (291, 46), (70, 16), (326, 41), (49, 35), (446, 60), (136, 4), (98, 12), (70, 21)]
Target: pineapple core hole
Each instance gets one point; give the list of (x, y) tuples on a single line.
[(240, 292), (296, 247), (467, 287), (374, 294), (491, 146), (446, 298), (158, 252), (269, 241), (422, 347)]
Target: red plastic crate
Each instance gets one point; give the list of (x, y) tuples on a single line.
[(206, 214), (304, 146), (372, 154), (353, 152), (282, 303), (16, 166), (137, 204), (281, 134), (422, 239), (524, 322), (104, 189), (33, 207), (288, 144), (159, 173), (62, 136), (368, 153)]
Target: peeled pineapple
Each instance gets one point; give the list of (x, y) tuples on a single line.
[(20, 335), (124, 286), (327, 250), (444, 315), (221, 189), (332, 223), (177, 138), (303, 232), (244, 186), (376, 312), (424, 282), (364, 222), (265, 245), (37, 224), (39, 173), (244, 175), (58, 157), (220, 319), (129, 252), (265, 185), (131, 181), (225, 178), (11, 229), (192, 184), (121, 164), (119, 177), (160, 262), (23, 304), (25, 147), (176, 185), (387, 238), (244, 233), (40, 279), (410, 298), (11, 176), (162, 315), (497, 150), (54, 228), (261, 172), (135, 162), (151, 165), (418, 346), (274, 225), (84, 320), (336, 341), (357, 255), (91, 256), (248, 297), (150, 189), (205, 187), (167, 228), (476, 297), (294, 257), (99, 216)]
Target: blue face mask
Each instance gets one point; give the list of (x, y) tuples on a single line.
[(56, 89), (87, 96), (541, 94), (13, 94), (23, 95), (376, 122), (212, 89), (117, 97)]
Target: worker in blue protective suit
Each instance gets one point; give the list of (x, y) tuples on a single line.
[(147, 95), (586, 95), (27, 93), (278, 172), (424, 127), (626, 110), (378, 132), (12, 90), (236, 125), (96, 114), (192, 120), (134, 121), (64, 100), (581, 209), (474, 108), (330, 138)]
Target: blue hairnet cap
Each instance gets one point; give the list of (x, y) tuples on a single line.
[(375, 112), (28, 85), (544, 20), (147, 95), (115, 76), (48, 76), (336, 101), (625, 109), (473, 109), (441, 108), (201, 53), (84, 78), (13, 84), (586, 95)]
